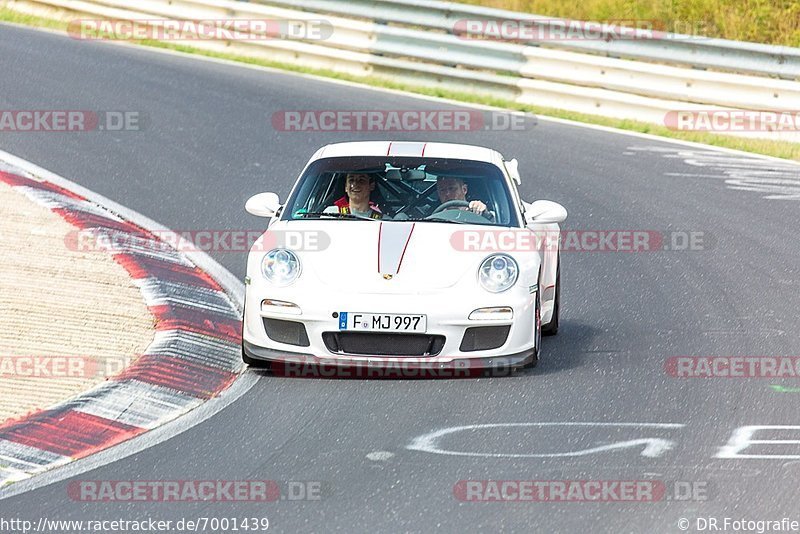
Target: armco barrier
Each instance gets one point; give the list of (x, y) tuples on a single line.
[(429, 56), (723, 54)]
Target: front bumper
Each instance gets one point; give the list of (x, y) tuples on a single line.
[(447, 319), (307, 365)]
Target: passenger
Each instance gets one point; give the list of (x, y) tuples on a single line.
[(357, 188)]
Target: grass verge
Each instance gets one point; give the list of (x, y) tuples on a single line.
[(780, 149), (760, 21)]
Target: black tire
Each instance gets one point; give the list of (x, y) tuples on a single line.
[(247, 359), (551, 328), (256, 364), (253, 363), (537, 336)]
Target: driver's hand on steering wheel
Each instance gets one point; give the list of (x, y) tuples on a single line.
[(477, 207)]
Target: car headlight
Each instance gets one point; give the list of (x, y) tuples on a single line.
[(280, 266), (498, 273)]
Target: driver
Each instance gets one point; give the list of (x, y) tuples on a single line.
[(357, 189), (450, 188)]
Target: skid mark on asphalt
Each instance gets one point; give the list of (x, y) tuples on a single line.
[(775, 180), (379, 456)]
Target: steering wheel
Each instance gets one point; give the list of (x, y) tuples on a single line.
[(451, 204)]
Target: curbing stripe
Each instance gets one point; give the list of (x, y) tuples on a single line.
[(185, 378), (135, 403), (196, 349), (67, 432), (139, 266), (135, 242), (194, 356), (86, 220), (22, 457), (59, 201), (16, 180), (165, 293), (198, 322), (83, 219)]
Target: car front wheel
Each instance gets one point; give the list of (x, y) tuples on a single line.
[(537, 333), (551, 328)]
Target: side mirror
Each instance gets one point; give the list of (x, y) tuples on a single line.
[(263, 205), (545, 212)]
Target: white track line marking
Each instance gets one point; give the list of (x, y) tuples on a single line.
[(653, 447)]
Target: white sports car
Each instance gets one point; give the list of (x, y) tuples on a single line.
[(420, 253)]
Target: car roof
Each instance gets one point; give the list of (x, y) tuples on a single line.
[(413, 149)]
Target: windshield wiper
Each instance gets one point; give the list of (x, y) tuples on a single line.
[(446, 221), (335, 215), (451, 221)]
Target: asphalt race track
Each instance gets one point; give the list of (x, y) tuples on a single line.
[(208, 144)]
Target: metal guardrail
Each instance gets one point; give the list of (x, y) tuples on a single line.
[(694, 51), (536, 75)]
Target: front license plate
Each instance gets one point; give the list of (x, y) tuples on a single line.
[(382, 322)]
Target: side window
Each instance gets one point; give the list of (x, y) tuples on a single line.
[(324, 192)]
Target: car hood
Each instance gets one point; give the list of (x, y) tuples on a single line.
[(384, 257)]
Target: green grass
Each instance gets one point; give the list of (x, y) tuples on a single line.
[(8, 15), (760, 21), (781, 149)]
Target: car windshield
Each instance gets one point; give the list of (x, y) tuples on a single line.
[(456, 191)]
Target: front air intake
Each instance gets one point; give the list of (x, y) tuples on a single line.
[(289, 332), (484, 338)]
